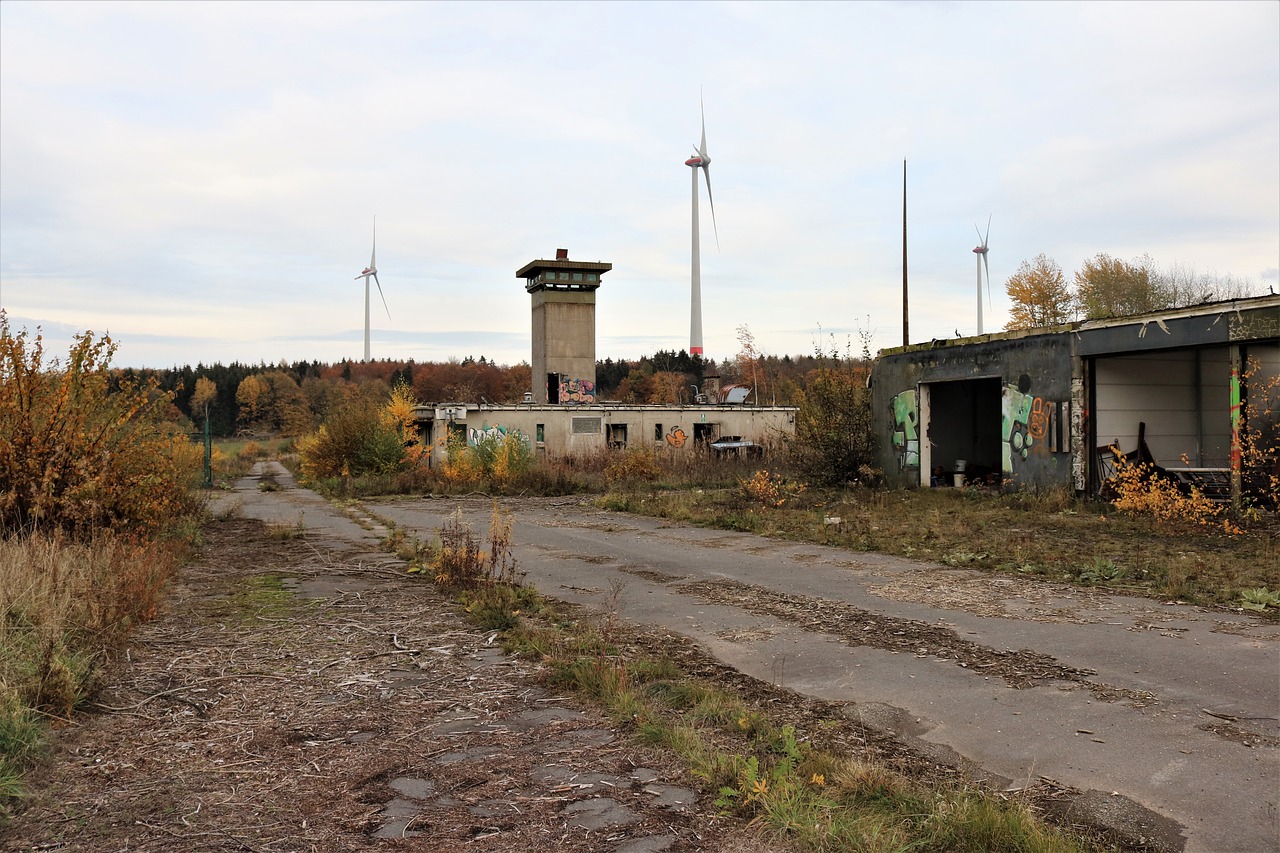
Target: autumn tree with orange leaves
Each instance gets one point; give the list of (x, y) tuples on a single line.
[(1039, 295)]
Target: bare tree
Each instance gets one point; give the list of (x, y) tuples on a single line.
[(1186, 285)]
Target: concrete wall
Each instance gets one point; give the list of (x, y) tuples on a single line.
[(564, 343), (1063, 392), (566, 430), (1004, 407)]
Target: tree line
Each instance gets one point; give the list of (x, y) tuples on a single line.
[(293, 398), (1106, 286)]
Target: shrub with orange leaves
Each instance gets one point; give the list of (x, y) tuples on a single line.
[(1141, 490), (1260, 434), (76, 453), (359, 438), (771, 490)]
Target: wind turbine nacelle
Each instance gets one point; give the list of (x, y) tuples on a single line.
[(980, 250), (695, 162)]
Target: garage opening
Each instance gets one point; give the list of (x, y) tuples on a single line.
[(961, 425), (1183, 397)]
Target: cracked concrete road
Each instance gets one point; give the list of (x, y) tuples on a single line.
[(1166, 715)]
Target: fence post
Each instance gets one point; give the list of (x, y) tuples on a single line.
[(208, 453)]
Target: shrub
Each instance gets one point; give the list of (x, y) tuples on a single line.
[(1260, 434), (1141, 490), (352, 441), (462, 464), (771, 490), (501, 458), (834, 441), (77, 454), (463, 564), (639, 464)]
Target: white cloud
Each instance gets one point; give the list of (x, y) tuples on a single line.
[(200, 174)]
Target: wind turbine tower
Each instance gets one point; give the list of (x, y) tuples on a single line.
[(699, 160), (371, 272), (981, 252)]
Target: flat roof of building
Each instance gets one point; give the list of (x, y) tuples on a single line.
[(534, 267)]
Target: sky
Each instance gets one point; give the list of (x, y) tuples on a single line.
[(201, 180)]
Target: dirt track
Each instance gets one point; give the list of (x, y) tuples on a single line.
[(297, 697), (301, 692)]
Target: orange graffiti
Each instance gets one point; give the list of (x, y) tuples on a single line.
[(1038, 423), (676, 437)]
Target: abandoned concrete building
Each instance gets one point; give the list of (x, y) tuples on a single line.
[(562, 414), (1052, 407)]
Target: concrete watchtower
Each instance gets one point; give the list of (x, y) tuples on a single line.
[(564, 327)]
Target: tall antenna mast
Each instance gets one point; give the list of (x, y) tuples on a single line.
[(906, 339)]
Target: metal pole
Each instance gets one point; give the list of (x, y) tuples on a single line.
[(208, 452), (906, 339)]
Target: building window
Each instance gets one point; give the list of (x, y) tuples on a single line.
[(591, 276), (541, 432), (657, 432), (577, 276), (586, 426)]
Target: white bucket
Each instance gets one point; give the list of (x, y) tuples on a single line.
[(960, 463), (959, 480)]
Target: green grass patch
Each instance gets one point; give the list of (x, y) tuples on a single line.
[(264, 595)]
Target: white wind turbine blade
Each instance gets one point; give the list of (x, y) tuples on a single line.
[(383, 298), (986, 263), (706, 172)]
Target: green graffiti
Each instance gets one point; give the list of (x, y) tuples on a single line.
[(906, 438)]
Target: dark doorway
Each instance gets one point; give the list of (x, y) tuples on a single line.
[(964, 429)]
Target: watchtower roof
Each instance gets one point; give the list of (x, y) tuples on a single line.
[(562, 273)]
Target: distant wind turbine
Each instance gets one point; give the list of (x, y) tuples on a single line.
[(367, 273), (699, 160), (981, 252)]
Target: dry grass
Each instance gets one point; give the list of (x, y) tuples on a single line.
[(1048, 534), (64, 607)]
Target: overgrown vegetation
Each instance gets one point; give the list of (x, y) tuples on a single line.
[(835, 441), (359, 438), (496, 459), (762, 769), (1141, 490), (463, 563), (766, 770), (77, 455), (1046, 534), (1260, 436), (96, 481)]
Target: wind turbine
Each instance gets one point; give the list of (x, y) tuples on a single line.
[(699, 160), (367, 273), (981, 252)]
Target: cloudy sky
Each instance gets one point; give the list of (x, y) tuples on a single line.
[(201, 180)]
